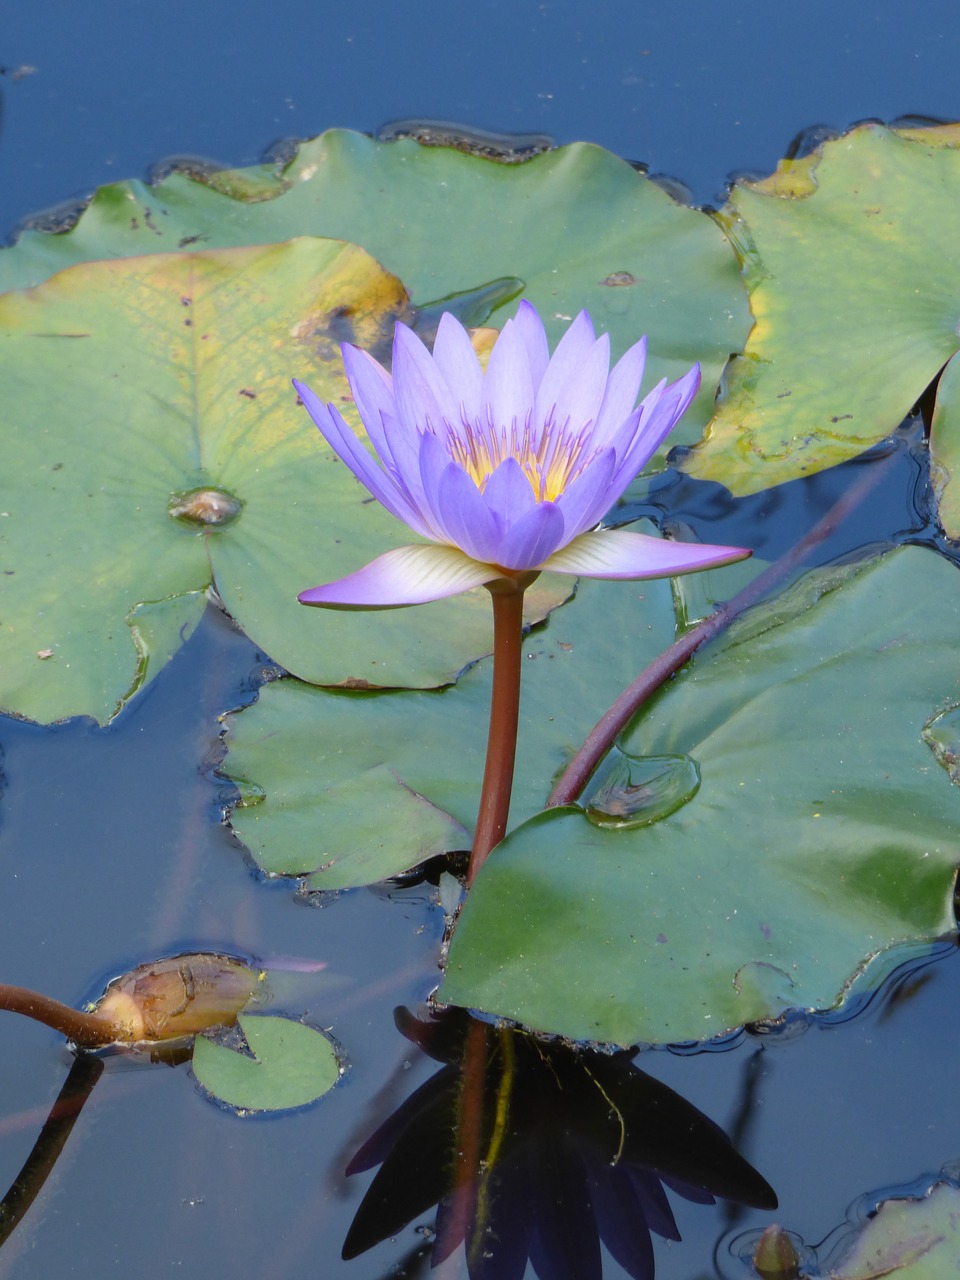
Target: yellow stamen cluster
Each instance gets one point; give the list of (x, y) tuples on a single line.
[(550, 458)]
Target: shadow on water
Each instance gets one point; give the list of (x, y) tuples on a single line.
[(536, 1150)]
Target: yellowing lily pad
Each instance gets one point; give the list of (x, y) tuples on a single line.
[(155, 446), (908, 1240), (945, 447), (147, 388), (850, 258), (577, 226)]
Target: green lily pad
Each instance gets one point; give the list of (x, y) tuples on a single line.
[(850, 259), (151, 387), (578, 226), (945, 447), (292, 1065), (311, 755), (362, 830), (908, 1240), (158, 447), (823, 830)]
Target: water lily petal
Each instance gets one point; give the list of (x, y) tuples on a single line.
[(405, 448), (458, 365), (464, 515), (659, 413), (508, 493), (580, 394), (587, 498), (508, 390), (372, 389), (432, 461), (683, 391), (351, 452), (620, 397), (533, 538), (421, 393), (618, 553), (530, 327), (629, 444), (404, 576), (572, 348)]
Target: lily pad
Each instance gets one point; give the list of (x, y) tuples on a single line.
[(908, 1240), (849, 256), (155, 446), (823, 830), (945, 447), (384, 827), (174, 402), (292, 1065), (312, 754), (577, 226)]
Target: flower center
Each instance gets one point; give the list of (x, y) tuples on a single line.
[(550, 456)]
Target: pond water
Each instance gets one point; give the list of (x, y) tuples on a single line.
[(112, 846)]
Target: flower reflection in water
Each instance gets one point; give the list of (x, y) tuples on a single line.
[(537, 1151)]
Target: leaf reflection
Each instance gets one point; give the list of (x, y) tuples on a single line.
[(538, 1151)]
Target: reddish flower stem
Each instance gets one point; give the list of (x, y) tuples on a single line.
[(507, 596), (600, 738), (85, 1029)]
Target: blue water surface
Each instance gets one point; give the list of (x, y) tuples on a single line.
[(93, 93)]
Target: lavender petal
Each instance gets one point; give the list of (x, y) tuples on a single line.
[(580, 394), (571, 350), (458, 365), (372, 389), (404, 576), (422, 395), (529, 542), (618, 553), (351, 452), (508, 390), (531, 330), (620, 397), (464, 515), (508, 493), (587, 498)]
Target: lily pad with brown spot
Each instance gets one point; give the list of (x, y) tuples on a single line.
[(576, 226), (155, 448)]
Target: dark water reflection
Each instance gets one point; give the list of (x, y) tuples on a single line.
[(898, 508), (535, 1150)]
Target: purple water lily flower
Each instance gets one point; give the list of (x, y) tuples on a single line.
[(505, 472)]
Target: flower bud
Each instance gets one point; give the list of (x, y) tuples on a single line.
[(180, 996)]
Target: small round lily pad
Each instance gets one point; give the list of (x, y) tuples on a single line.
[(289, 1065)]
